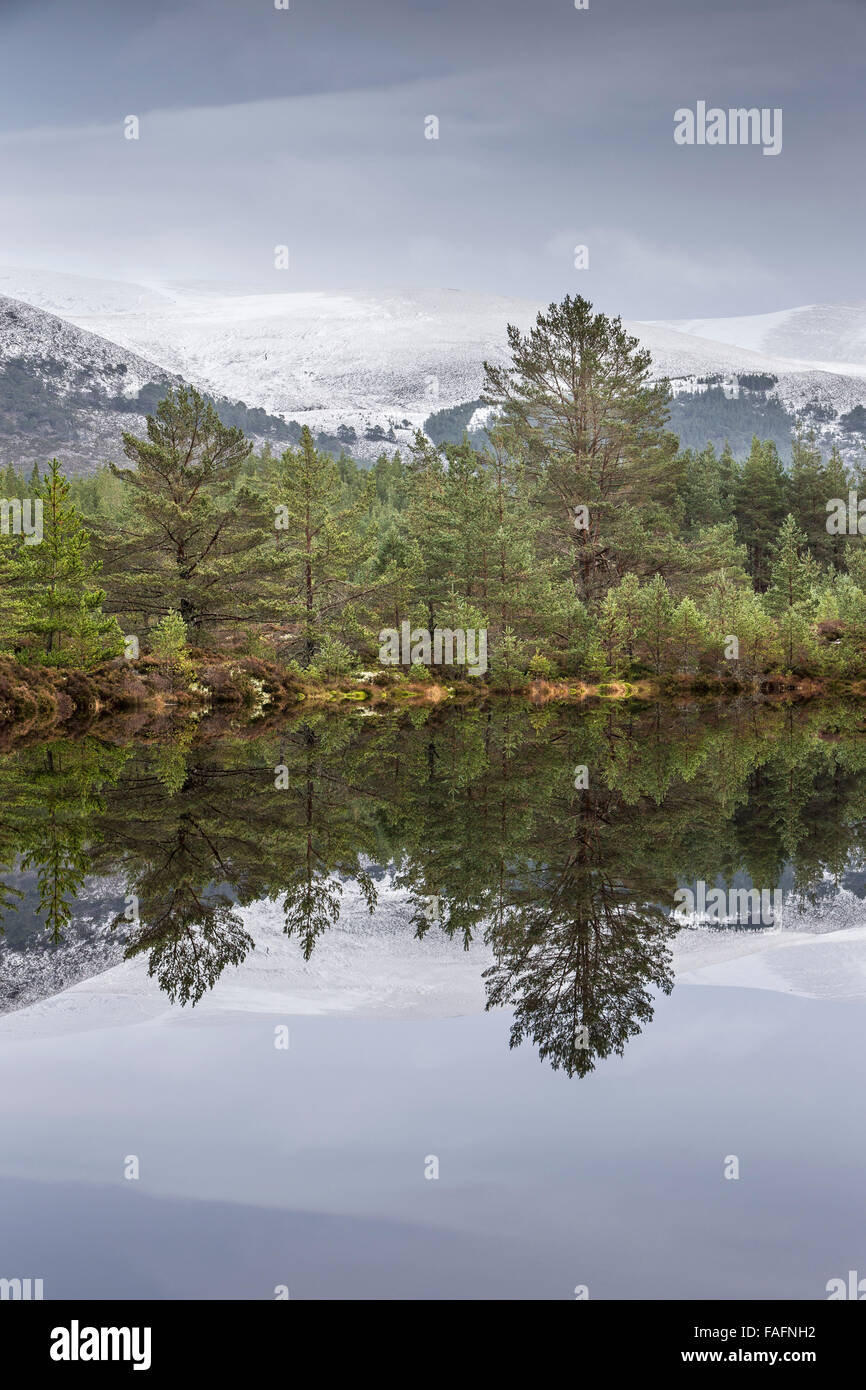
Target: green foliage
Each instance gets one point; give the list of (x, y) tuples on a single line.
[(540, 667), (55, 616), (334, 658), (578, 408), (195, 537), (168, 643), (320, 548), (760, 506)]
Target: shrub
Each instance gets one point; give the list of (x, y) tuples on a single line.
[(334, 659), (168, 643), (541, 667)]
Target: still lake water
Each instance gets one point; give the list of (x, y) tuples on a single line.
[(293, 971)]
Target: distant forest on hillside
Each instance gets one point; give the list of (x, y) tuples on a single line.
[(710, 416)]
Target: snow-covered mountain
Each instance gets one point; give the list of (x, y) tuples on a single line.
[(387, 359), (832, 334), (69, 391), (65, 391)]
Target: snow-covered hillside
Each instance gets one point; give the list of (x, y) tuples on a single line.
[(390, 358), (324, 359), (832, 334), (69, 391), (64, 390), (74, 359)]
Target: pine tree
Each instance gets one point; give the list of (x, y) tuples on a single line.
[(837, 483), (590, 428), (703, 490), (625, 604), (168, 642), (808, 493), (792, 569), (613, 633), (761, 506), (519, 595), (431, 530), (13, 601), (791, 577), (194, 538), (729, 478), (689, 635), (756, 633), (61, 620), (321, 548), (656, 625)]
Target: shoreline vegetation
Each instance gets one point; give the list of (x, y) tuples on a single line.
[(42, 699), (580, 554)]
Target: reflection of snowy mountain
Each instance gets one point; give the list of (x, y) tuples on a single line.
[(31, 966), (372, 966)]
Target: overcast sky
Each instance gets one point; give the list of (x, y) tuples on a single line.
[(306, 127)]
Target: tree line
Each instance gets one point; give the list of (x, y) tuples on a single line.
[(581, 536)]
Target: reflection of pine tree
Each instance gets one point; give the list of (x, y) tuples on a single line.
[(187, 824), (585, 939), (204, 830), (314, 826), (51, 796), (191, 939), (311, 904), (580, 988)]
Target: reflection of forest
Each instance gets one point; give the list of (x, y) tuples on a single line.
[(480, 813)]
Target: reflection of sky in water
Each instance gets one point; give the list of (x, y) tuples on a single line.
[(261, 1167)]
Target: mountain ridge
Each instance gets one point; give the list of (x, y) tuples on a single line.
[(382, 362), (70, 392)]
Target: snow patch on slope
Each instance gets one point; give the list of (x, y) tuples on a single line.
[(819, 333)]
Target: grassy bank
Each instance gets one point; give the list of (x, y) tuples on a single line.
[(248, 688)]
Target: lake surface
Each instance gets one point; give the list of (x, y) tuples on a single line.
[(409, 1006)]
